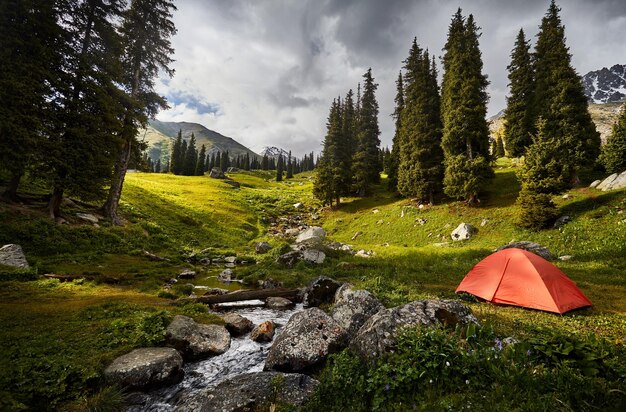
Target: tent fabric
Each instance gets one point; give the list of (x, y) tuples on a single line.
[(521, 278)]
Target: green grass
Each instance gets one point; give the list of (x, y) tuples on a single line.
[(66, 333)]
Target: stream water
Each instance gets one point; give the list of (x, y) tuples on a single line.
[(244, 356)]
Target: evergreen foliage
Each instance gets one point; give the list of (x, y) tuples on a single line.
[(465, 139), (519, 116), (191, 157), (280, 167), (289, 167), (419, 171), (614, 151), (177, 154), (347, 142), (559, 97), (394, 157), (498, 150), (365, 163), (200, 167), (329, 174)]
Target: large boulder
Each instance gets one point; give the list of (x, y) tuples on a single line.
[(254, 391), (289, 259), (380, 333), (227, 275), (320, 291), (196, 340), (237, 325), (535, 248), (216, 173), (614, 182), (262, 247), (278, 303), (313, 256), (353, 308), (306, 339), (311, 235), (463, 231), (263, 332), (13, 255), (146, 368)]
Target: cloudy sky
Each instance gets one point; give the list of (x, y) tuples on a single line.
[(265, 71)]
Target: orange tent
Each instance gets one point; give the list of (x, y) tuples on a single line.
[(521, 278)]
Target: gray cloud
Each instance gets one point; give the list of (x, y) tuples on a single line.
[(265, 72)]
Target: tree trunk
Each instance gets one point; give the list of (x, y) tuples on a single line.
[(10, 192), (117, 182), (54, 205), (249, 295)]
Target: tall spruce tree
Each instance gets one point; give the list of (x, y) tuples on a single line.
[(464, 106), (347, 142), (280, 167), (519, 115), (191, 157), (328, 174), (420, 171), (146, 31), (176, 156), (365, 164), (614, 151), (183, 157), (290, 162), (200, 166), (88, 102), (394, 157), (560, 100)]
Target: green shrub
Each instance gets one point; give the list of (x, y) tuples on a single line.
[(538, 211)]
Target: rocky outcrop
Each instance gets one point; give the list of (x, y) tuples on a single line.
[(306, 340), (146, 368), (13, 255), (614, 182), (237, 325), (312, 234), (255, 391), (353, 308), (463, 231), (278, 303), (196, 340), (187, 274), (313, 256), (380, 333), (535, 248), (216, 173), (289, 259), (262, 247), (320, 291), (264, 332), (227, 275)]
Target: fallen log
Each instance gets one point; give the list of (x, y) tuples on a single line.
[(62, 278), (239, 295)]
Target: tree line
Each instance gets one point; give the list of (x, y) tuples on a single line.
[(77, 83), (441, 144)]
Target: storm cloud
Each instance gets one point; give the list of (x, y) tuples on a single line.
[(265, 72)]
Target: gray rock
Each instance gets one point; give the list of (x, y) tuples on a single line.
[(595, 184), (353, 308), (535, 248), (146, 368), (421, 221), (264, 332), (278, 303), (565, 257), (237, 325), (196, 340), (313, 256), (463, 231), (188, 274), (215, 291), (484, 222), (230, 259), (313, 233), (613, 182), (364, 253), (253, 391), (13, 255), (380, 333), (292, 232), (227, 275), (216, 173), (562, 221), (298, 205), (88, 217), (270, 283), (567, 196), (320, 291), (306, 339), (262, 247), (289, 259)]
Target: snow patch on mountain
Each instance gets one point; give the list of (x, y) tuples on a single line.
[(273, 151), (606, 85)]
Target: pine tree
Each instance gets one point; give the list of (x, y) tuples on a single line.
[(498, 149), (177, 148), (225, 161), (614, 151), (157, 167), (265, 163), (365, 164), (289, 167), (146, 31), (559, 97), (420, 154), (519, 115), (183, 157), (200, 162), (280, 166), (464, 106), (394, 158), (347, 142), (328, 176), (191, 157)]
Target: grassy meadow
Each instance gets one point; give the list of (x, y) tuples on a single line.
[(57, 338)]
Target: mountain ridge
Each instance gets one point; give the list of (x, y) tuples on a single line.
[(606, 85)]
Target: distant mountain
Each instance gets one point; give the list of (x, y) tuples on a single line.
[(159, 137), (273, 151), (606, 85)]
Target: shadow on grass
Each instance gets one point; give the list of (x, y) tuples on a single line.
[(593, 203), (502, 191)]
